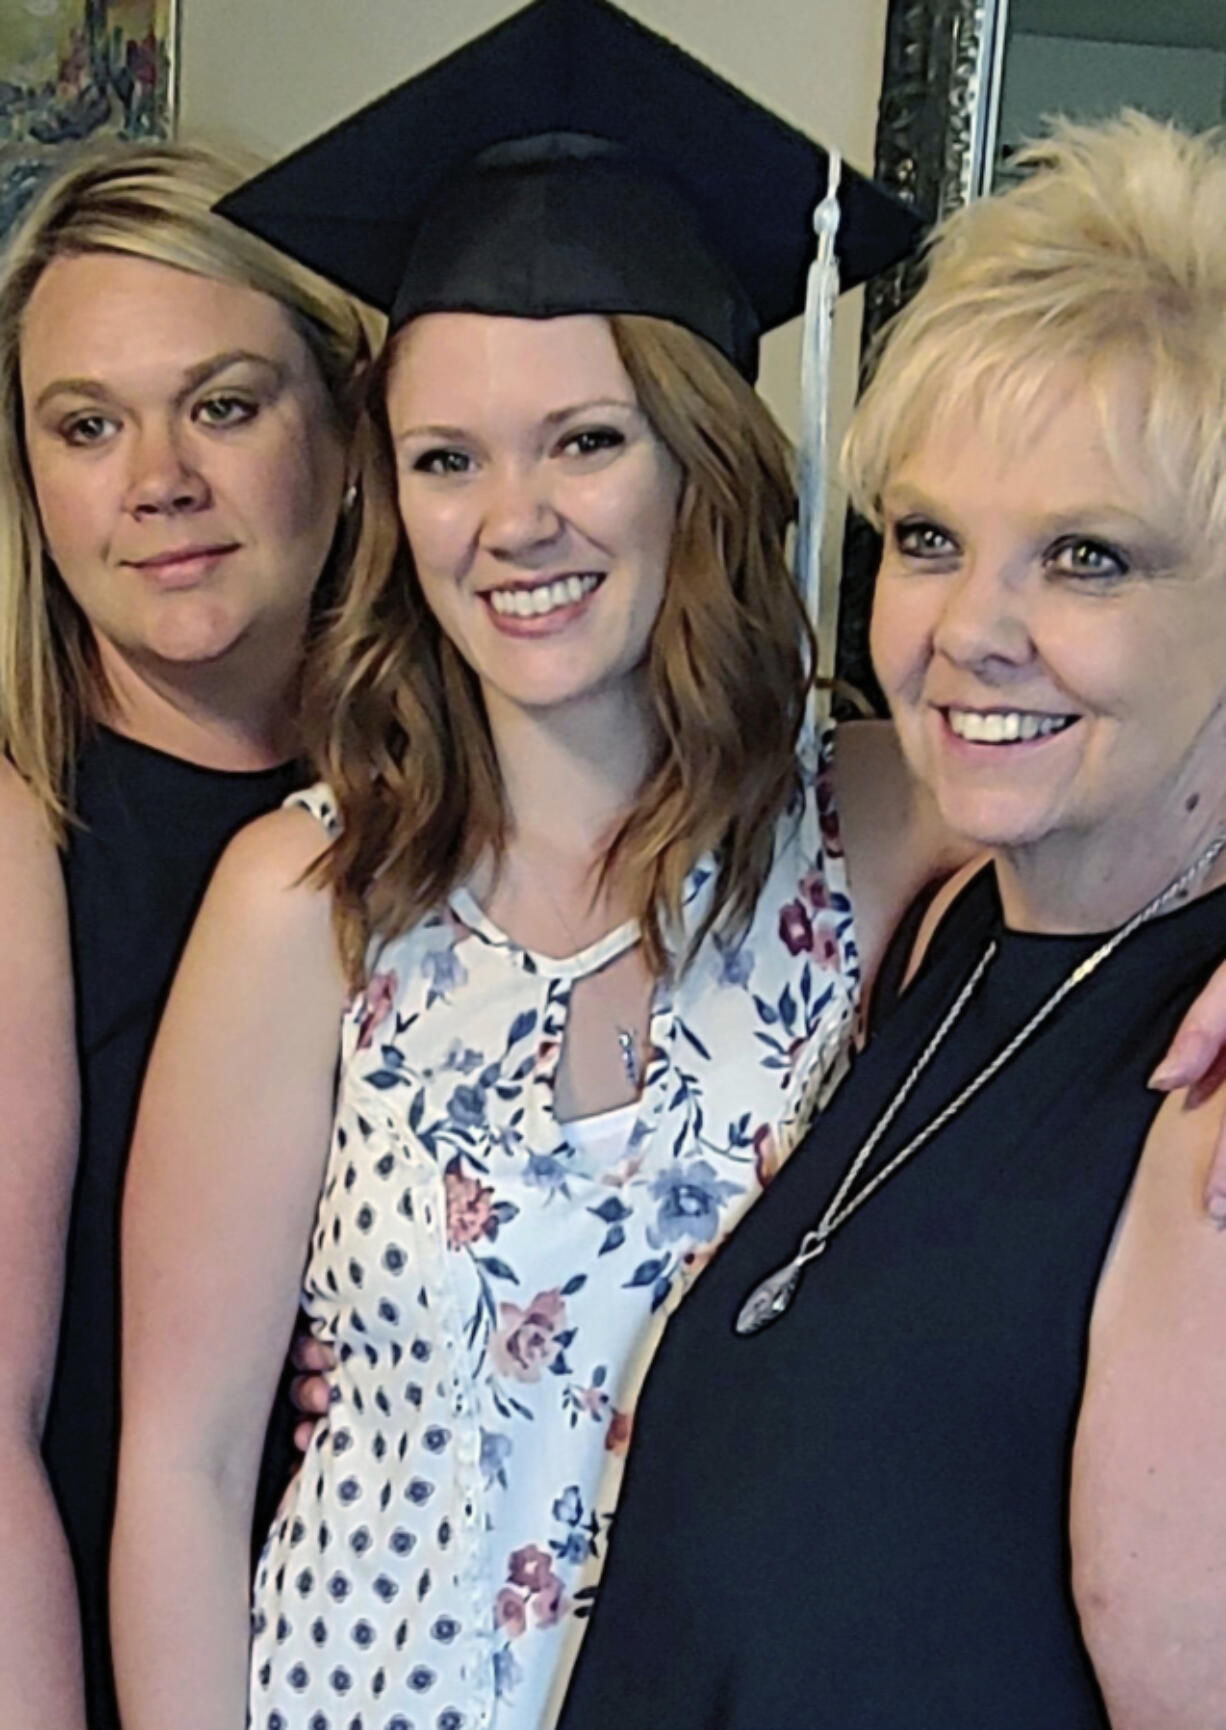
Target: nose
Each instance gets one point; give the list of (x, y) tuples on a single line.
[(520, 513), (163, 481), (983, 626)]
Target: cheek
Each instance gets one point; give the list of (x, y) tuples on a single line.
[(638, 518), (78, 509), (900, 635), (292, 490), (439, 531)]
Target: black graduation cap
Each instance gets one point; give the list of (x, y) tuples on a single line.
[(571, 160)]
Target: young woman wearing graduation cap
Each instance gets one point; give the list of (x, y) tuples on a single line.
[(573, 890)]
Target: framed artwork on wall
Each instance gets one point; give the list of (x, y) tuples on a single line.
[(73, 70)]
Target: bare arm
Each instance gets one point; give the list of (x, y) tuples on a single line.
[(1148, 1512), (893, 834), (40, 1641), (226, 1166)]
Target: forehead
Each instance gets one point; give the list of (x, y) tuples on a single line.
[(101, 314), (1073, 439), (458, 365)]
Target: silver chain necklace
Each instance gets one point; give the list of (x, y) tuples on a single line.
[(628, 1045), (769, 1300)]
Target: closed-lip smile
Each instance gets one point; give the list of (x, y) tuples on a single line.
[(182, 555)]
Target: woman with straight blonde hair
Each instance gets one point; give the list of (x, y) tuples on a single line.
[(183, 482)]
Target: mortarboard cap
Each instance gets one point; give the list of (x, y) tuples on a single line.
[(571, 160)]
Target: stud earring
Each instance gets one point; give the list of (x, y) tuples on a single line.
[(349, 498)]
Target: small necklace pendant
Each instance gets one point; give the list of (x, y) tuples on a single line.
[(630, 1058), (768, 1301)]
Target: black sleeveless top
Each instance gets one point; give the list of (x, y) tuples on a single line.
[(857, 1519), (153, 827)]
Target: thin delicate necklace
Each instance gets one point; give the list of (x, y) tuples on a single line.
[(627, 1043), (769, 1300)]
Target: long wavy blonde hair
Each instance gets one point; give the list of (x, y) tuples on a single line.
[(395, 720), (153, 202)]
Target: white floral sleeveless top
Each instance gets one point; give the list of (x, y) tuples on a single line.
[(494, 1300)]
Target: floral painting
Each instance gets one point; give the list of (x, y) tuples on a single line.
[(72, 70)]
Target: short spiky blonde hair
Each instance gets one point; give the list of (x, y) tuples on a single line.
[(1107, 260), (155, 202)]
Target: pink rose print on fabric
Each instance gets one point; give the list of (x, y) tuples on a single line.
[(813, 889), (803, 935), (826, 940), (766, 1160), (617, 1438), (526, 1339), (378, 1001), (470, 1209), (796, 928), (827, 814), (530, 1567), (550, 1604), (510, 1613)]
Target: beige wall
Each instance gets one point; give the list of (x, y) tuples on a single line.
[(273, 72)]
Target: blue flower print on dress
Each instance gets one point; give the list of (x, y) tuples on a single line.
[(496, 1450), (495, 1289), (691, 1196), (445, 972)]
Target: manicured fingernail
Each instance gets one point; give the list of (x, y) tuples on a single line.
[(1185, 1060)]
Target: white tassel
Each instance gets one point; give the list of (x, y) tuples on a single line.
[(820, 298)]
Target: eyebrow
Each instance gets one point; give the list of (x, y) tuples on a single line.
[(555, 417), (193, 378)]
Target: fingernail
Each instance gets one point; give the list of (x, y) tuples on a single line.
[(1184, 1061), (1217, 1208)]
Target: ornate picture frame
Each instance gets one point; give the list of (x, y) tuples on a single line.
[(936, 133), (73, 70)]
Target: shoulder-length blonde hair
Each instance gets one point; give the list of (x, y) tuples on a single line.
[(153, 202), (396, 723), (1106, 261)]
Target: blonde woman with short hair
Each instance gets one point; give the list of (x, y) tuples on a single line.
[(183, 483), (940, 1440)]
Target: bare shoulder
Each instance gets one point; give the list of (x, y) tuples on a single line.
[(263, 879), (892, 833), (264, 936), (25, 835)]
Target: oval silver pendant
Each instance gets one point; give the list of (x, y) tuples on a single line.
[(768, 1301)]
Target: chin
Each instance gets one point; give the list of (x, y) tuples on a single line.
[(193, 648), (993, 820)]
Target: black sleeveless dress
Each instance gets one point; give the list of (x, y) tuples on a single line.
[(153, 828), (856, 1519)]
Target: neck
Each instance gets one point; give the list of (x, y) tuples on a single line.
[(1083, 887), (572, 772), (214, 715)]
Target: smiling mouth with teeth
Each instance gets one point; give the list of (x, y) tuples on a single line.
[(543, 598), (1004, 727)]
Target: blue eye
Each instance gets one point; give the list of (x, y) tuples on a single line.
[(87, 429), (1083, 556), (442, 462), (917, 538), (225, 411)]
